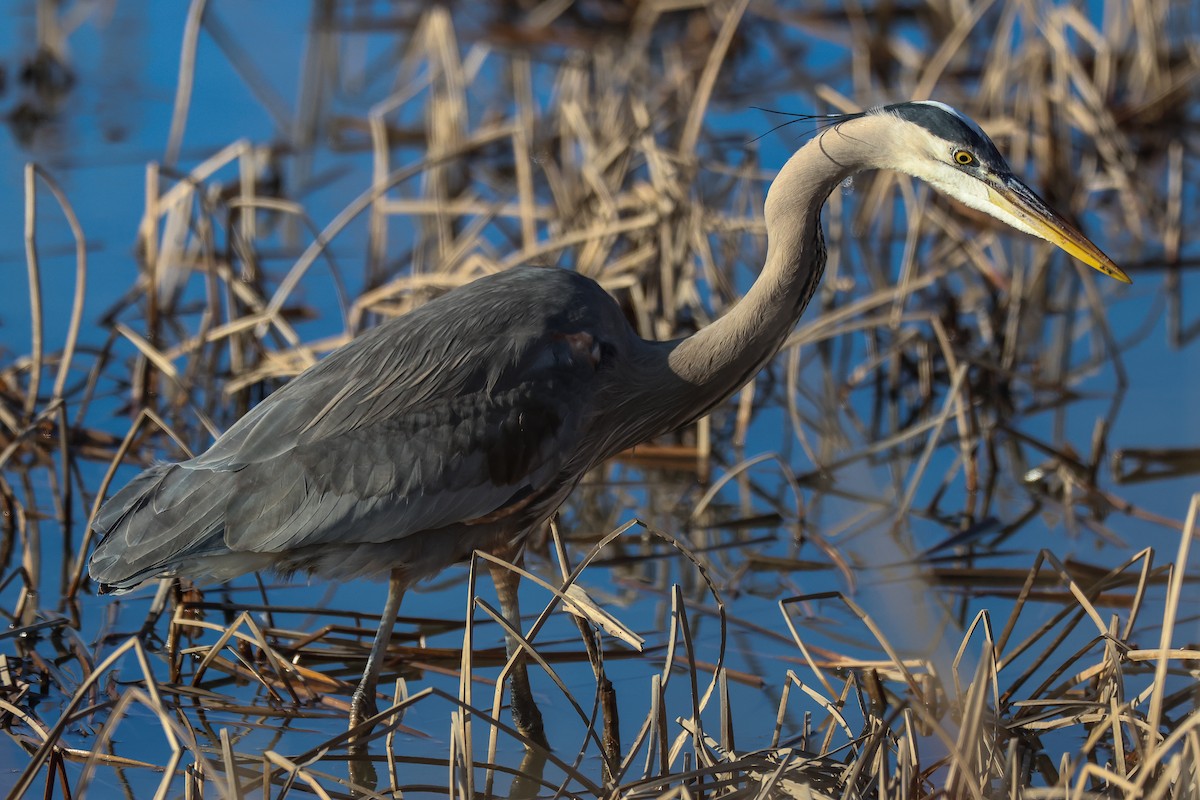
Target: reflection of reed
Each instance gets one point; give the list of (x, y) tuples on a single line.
[(928, 413)]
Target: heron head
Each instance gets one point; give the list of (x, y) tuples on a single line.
[(944, 147)]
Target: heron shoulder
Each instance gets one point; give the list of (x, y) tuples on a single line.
[(488, 337)]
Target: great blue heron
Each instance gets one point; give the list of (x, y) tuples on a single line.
[(465, 423)]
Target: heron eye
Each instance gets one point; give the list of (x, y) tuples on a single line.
[(963, 157)]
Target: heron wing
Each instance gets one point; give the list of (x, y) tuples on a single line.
[(444, 415), (165, 514), (422, 469)]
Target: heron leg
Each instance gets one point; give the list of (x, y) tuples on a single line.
[(362, 705), (526, 716)]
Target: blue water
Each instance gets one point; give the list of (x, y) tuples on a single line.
[(117, 117)]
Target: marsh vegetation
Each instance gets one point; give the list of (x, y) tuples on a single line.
[(942, 547)]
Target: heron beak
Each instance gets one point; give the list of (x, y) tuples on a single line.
[(1018, 200)]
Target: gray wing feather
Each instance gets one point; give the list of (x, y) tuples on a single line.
[(162, 512), (415, 472), (440, 416)]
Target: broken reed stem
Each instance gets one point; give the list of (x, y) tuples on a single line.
[(183, 87), (35, 292)]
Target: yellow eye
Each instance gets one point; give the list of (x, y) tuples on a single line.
[(963, 157)]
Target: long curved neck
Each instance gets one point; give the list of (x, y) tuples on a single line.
[(716, 361)]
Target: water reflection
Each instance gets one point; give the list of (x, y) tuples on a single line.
[(43, 85)]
